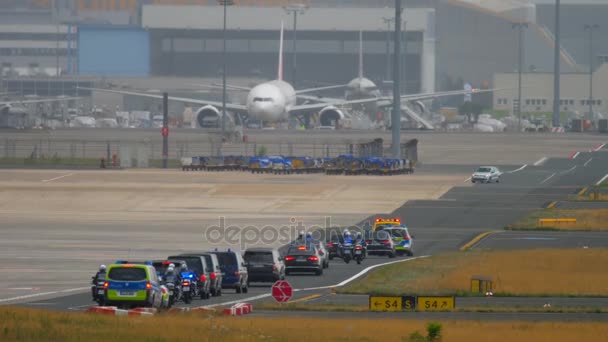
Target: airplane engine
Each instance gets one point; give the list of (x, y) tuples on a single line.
[(420, 106), (330, 116), (211, 117)]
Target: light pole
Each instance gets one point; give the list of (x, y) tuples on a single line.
[(295, 9), (556, 66), (396, 117), (225, 3), (388, 21), (520, 51), (590, 28)]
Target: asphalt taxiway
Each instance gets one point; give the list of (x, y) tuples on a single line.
[(440, 225)]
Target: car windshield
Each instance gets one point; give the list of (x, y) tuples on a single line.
[(483, 169), (261, 257), (226, 259), (397, 233), (381, 235), (300, 250), (194, 263), (128, 274)]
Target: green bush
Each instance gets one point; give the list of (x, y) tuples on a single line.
[(262, 151)]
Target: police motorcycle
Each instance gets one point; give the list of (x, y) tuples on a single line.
[(189, 286), (360, 249), (170, 282), (347, 247), (97, 286)]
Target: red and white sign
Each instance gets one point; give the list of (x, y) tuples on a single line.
[(282, 291), (165, 131)]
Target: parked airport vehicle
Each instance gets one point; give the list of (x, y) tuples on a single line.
[(303, 258), (486, 174), (264, 265), (234, 269)]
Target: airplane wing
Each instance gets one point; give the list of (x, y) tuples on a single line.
[(18, 102), (312, 90), (388, 100), (321, 105), (229, 106)]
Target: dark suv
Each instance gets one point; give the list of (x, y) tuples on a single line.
[(264, 265), (197, 264), (215, 272), (234, 270)]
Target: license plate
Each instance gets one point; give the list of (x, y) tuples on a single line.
[(100, 292), (186, 288), (301, 259), (357, 252), (258, 266), (126, 293)]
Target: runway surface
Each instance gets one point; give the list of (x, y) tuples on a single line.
[(439, 223)]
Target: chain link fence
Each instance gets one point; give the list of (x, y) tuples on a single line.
[(146, 153)]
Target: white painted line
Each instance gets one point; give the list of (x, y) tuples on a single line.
[(24, 288), (521, 168), (540, 161), (570, 169), (575, 155), (599, 147), (4, 300), (587, 162), (546, 179), (602, 180), (56, 178), (364, 271), (466, 180)]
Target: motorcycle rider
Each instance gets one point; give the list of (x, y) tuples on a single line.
[(348, 239), (101, 272), (308, 237)]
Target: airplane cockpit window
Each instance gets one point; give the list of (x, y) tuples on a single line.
[(262, 99)]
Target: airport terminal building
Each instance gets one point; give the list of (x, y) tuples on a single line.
[(128, 42)]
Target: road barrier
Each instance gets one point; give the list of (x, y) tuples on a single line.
[(238, 309), (114, 311)]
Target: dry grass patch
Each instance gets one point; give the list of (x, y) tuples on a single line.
[(541, 272), (586, 220), (19, 324)]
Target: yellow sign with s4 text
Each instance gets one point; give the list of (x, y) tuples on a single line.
[(436, 303), (383, 303)]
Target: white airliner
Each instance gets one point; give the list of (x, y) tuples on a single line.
[(275, 101)]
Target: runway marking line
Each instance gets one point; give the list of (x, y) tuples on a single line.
[(570, 169), (56, 178), (587, 162), (552, 205), (364, 271), (466, 180), (304, 299), (521, 168), (583, 191), (477, 239), (3, 300), (540, 161), (573, 155), (598, 147), (546, 179), (602, 180)]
